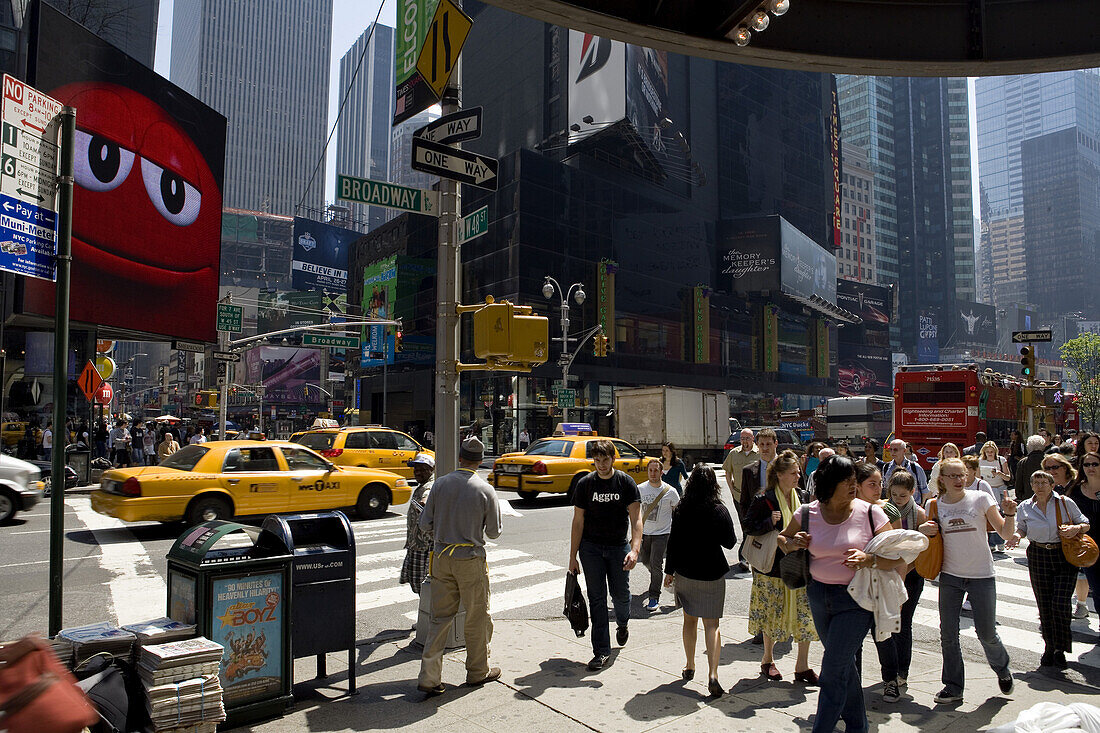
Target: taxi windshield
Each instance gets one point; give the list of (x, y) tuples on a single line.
[(544, 447), (185, 458)]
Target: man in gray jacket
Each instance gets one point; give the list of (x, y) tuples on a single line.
[(462, 510)]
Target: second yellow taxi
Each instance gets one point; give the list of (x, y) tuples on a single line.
[(226, 479), (554, 465)]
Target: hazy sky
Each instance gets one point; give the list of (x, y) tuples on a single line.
[(349, 19)]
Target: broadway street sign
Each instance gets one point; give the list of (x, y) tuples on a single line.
[(458, 165), (335, 342), (380, 193)]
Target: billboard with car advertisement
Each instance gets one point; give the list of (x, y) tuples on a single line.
[(289, 375), (320, 257), (863, 370), (147, 202), (872, 303)]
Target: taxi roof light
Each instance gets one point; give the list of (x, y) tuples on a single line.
[(131, 487)]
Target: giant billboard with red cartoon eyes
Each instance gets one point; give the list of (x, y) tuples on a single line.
[(147, 200)]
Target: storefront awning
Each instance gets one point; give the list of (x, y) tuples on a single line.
[(825, 308)]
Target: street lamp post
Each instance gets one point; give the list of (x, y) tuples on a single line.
[(576, 290)]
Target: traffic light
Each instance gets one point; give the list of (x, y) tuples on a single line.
[(599, 345), (501, 334), (1027, 363), (398, 339)]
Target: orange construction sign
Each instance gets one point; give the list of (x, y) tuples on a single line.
[(89, 380)]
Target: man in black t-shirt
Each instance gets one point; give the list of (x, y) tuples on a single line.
[(606, 503)]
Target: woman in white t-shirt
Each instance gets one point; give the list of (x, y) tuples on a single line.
[(658, 500), (993, 466), (968, 571)]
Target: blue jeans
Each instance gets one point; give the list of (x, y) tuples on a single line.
[(982, 593), (603, 567), (841, 625)]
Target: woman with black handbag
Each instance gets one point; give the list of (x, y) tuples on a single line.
[(777, 612), (1046, 519), (834, 529)]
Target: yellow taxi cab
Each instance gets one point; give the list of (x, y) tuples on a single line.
[(224, 479), (368, 446), (13, 432), (554, 465)]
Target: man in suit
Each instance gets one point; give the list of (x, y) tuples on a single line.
[(754, 477), (976, 449)]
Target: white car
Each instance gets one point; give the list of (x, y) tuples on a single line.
[(20, 486)]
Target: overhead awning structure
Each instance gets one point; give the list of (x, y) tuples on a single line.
[(883, 37), (823, 307)]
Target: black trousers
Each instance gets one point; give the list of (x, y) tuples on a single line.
[(1053, 580)]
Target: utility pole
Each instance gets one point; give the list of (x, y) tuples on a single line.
[(61, 362), (223, 393), (448, 293)]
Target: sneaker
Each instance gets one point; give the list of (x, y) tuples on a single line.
[(598, 662), (966, 605), (1081, 611), (622, 634), (946, 697), (1005, 683), (652, 604), (903, 684), (1060, 660), (890, 692)]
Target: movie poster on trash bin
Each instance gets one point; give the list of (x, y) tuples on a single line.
[(248, 618)]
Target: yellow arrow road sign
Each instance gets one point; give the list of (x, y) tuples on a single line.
[(439, 55)]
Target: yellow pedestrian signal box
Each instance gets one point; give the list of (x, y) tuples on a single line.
[(206, 398), (507, 334), (599, 345)]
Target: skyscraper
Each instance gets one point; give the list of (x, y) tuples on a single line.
[(1009, 110), (855, 258), (363, 135), (264, 65), (916, 133), (131, 25)]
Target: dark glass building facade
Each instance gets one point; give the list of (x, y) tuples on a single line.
[(649, 229)]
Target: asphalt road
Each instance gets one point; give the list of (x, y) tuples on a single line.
[(116, 571)]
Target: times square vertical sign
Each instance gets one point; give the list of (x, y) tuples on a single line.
[(834, 144)]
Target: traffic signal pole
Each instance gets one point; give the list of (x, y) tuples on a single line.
[(448, 293), (61, 364)]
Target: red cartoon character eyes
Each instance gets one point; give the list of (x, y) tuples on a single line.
[(102, 165), (174, 198)]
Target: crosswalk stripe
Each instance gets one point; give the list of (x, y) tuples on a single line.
[(529, 596), (384, 597), (505, 573)]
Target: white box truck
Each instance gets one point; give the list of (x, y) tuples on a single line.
[(696, 421)]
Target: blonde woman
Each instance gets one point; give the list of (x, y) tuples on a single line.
[(776, 611), (993, 467), (949, 450)]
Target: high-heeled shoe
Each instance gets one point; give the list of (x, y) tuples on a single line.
[(769, 670), (688, 674), (714, 687), (807, 676)]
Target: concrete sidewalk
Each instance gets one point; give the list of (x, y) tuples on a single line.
[(546, 687)]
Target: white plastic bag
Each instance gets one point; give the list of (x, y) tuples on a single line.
[(1052, 717)]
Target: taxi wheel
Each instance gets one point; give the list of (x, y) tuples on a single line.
[(7, 506), (208, 508), (373, 502), (528, 495)]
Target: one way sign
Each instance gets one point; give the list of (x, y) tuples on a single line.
[(455, 164), (453, 128)]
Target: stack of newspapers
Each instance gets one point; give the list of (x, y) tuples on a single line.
[(160, 631), (101, 638), (181, 684)]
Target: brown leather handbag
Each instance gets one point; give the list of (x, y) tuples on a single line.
[(1080, 550), (929, 563), (38, 694)]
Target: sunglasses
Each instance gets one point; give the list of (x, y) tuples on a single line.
[(1091, 465)]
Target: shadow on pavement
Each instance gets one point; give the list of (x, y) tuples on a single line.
[(561, 673), (670, 700), (542, 501), (141, 532)]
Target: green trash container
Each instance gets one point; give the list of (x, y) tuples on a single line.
[(234, 583)]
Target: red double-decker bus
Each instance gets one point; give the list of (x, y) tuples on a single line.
[(950, 403)]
